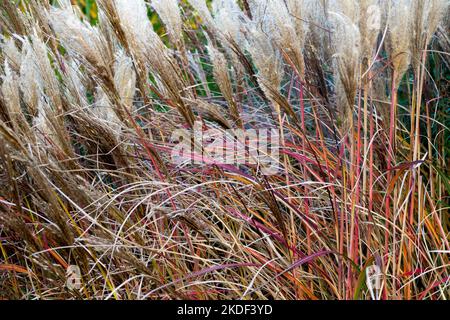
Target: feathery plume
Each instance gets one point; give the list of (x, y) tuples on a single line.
[(297, 12), (125, 78), (369, 26), (347, 58), (203, 11), (11, 52), (349, 8), (267, 60), (398, 38), (169, 13), (229, 20), (47, 73), (437, 12), (426, 17), (41, 124), (221, 75), (48, 129), (30, 80), (75, 87), (78, 37), (11, 96), (288, 32), (136, 25), (104, 111), (316, 15)]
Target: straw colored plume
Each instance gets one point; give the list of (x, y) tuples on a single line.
[(76, 92), (125, 79), (266, 58), (347, 46), (136, 25), (10, 50), (426, 15), (104, 111), (222, 77), (44, 127), (50, 83), (169, 13), (298, 10), (399, 37), (316, 18), (202, 9), (11, 97), (30, 79), (283, 27), (369, 27), (349, 8), (79, 37), (366, 15), (229, 20), (152, 52)]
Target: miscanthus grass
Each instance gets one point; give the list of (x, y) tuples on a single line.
[(358, 91)]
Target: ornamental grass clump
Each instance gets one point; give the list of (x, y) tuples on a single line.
[(136, 142)]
